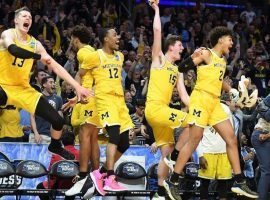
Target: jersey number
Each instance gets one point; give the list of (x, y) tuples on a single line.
[(221, 75), (113, 73), (20, 64), (172, 79)]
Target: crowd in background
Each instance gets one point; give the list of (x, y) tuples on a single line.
[(52, 25)]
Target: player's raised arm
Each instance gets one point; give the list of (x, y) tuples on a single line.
[(157, 33), (61, 72), (7, 42)]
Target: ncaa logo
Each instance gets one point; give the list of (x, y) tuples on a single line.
[(65, 168), (130, 169), (31, 167)]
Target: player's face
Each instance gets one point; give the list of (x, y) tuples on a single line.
[(73, 44), (113, 39), (23, 21), (227, 43), (177, 50)]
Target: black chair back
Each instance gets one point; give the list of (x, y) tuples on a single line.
[(6, 169), (31, 169), (64, 169)]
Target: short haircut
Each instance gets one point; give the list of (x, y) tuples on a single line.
[(17, 12), (35, 74), (217, 33), (102, 34), (171, 40), (45, 80), (82, 33)]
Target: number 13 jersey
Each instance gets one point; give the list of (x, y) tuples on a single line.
[(15, 71), (106, 70)]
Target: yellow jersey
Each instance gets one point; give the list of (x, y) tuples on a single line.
[(15, 71), (10, 123), (87, 79), (210, 77), (162, 81), (106, 70)]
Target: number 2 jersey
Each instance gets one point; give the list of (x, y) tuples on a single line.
[(106, 70), (210, 77), (15, 71), (162, 81)]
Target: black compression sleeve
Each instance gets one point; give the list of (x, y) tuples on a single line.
[(22, 53), (186, 65)]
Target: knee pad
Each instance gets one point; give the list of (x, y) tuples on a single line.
[(124, 142), (3, 97), (114, 134), (57, 123)]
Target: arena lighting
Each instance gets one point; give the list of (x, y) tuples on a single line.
[(192, 4)]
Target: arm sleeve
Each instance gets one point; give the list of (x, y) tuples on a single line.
[(19, 52)]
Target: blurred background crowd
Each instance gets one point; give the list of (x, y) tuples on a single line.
[(52, 24)]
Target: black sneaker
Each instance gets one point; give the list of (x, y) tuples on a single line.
[(85, 187), (172, 190), (61, 152), (243, 189)]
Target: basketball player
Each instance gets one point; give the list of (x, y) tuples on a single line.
[(17, 53), (88, 133), (205, 109), (164, 76), (106, 65)]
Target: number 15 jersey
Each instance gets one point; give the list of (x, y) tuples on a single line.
[(162, 81), (106, 70), (15, 71)]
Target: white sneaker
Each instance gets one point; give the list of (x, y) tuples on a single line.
[(157, 197), (84, 186), (170, 163)]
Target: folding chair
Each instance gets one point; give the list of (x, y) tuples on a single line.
[(152, 177), (62, 169), (31, 169), (6, 170), (133, 176)]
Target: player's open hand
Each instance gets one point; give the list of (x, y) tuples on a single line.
[(83, 93), (70, 104), (203, 163)]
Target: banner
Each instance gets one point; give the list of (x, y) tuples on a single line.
[(16, 152)]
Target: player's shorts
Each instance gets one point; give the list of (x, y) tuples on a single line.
[(205, 109), (24, 97), (112, 110), (218, 167), (163, 121), (88, 112)]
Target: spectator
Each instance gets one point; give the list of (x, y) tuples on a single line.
[(10, 128), (248, 155), (261, 142), (41, 128)]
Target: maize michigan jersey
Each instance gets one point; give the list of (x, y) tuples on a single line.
[(15, 71)]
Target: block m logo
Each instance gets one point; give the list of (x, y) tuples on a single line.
[(197, 113), (105, 115), (88, 113), (173, 116)]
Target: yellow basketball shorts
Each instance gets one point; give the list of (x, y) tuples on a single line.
[(205, 109), (88, 112), (163, 121), (112, 110), (218, 167), (24, 97)]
